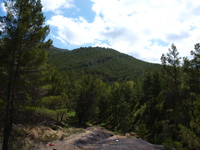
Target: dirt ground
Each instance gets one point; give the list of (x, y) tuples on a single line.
[(91, 138), (95, 138)]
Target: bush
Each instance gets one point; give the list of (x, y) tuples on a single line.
[(36, 114), (168, 144), (46, 114), (60, 113)]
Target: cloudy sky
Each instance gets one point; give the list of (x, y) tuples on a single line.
[(141, 28)]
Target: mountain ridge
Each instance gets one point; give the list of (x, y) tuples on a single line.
[(109, 63)]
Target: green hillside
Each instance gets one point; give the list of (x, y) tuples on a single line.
[(110, 64)]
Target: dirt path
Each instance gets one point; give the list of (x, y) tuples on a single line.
[(76, 141), (95, 138), (66, 143)]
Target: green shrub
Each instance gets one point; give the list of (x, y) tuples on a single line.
[(168, 144), (178, 145), (189, 138), (46, 113), (60, 113), (38, 114)]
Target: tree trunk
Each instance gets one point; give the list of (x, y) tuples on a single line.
[(6, 137), (61, 118), (8, 118), (10, 102)]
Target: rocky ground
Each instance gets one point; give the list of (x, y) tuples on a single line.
[(54, 137), (95, 138)]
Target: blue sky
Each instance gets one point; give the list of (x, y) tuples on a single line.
[(141, 28)]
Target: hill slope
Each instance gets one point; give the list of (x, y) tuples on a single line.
[(110, 64)]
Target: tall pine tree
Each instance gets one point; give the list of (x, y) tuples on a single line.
[(171, 66), (23, 51)]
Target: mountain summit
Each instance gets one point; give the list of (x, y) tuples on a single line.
[(109, 63)]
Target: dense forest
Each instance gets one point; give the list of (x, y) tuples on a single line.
[(110, 64), (161, 103)]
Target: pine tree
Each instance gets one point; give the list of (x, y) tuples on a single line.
[(24, 51), (171, 65), (194, 69), (189, 129), (91, 89)]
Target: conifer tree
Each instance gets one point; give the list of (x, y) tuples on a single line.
[(91, 89), (24, 52), (194, 69), (171, 65)]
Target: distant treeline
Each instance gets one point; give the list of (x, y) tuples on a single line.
[(110, 64)]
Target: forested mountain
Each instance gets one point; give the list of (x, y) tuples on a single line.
[(110, 64), (55, 49), (160, 105)]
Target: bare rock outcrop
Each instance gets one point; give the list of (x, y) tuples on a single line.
[(95, 138)]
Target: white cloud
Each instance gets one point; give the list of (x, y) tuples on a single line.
[(142, 28), (51, 5), (3, 8), (56, 5), (76, 31)]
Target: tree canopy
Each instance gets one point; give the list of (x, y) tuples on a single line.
[(23, 53)]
